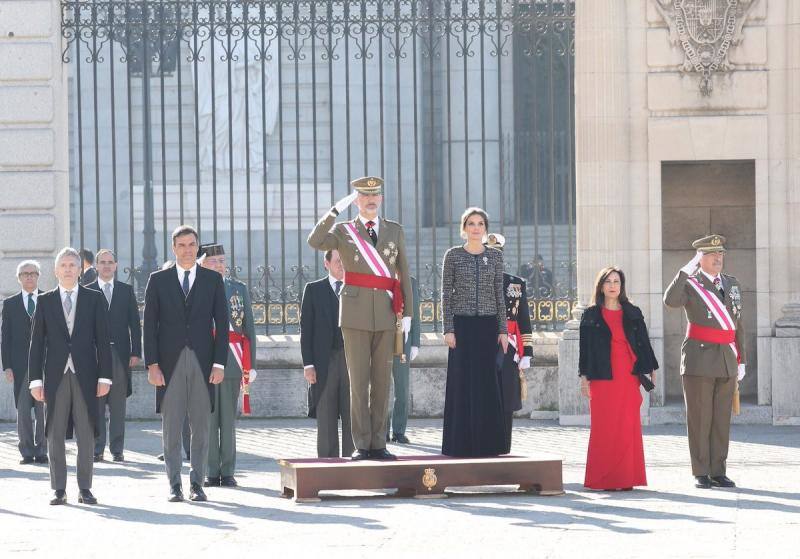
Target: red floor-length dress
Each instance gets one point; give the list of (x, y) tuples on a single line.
[(615, 459)]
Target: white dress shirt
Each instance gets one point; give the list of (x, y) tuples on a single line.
[(711, 278), (102, 285), (375, 221), (26, 295), (192, 274), (70, 323)]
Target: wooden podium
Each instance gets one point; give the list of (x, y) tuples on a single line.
[(419, 476)]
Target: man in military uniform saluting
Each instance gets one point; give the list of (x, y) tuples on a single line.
[(518, 357), (241, 355), (376, 283), (712, 356)]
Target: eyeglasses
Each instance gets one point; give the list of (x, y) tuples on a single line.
[(28, 274)]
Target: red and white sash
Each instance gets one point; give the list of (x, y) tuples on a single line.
[(371, 254), (717, 309)]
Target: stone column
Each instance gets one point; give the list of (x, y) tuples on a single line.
[(785, 356), (602, 155), (34, 186)]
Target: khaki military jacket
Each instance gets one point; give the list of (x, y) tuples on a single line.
[(364, 308), (705, 359)]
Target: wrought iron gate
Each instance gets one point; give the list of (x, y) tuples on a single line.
[(248, 118)]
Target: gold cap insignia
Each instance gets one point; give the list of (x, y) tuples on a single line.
[(368, 185), (710, 243)]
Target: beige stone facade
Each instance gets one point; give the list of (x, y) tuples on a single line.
[(34, 214), (659, 163)]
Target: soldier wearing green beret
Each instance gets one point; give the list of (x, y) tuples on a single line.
[(242, 341), (376, 285), (712, 356)]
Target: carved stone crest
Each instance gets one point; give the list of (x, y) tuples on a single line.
[(705, 30)]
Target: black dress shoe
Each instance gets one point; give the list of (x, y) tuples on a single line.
[(41, 460), (27, 460), (360, 454), (703, 482), (176, 493), (228, 481), (197, 494), (722, 481), (381, 454), (161, 456), (86, 497), (388, 438), (212, 482), (188, 456), (59, 497), (98, 457), (402, 439), (119, 457)]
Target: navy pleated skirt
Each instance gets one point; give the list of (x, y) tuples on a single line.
[(473, 407)]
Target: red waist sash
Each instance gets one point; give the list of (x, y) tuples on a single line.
[(513, 331), (237, 338), (378, 282), (710, 335)]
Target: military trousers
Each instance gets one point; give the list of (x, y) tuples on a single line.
[(369, 365), (222, 427), (709, 402)]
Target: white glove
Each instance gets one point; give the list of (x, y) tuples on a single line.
[(414, 353), (345, 202), (693, 264), (406, 327), (253, 375), (525, 363), (740, 374)]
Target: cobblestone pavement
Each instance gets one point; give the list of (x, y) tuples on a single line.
[(669, 518)]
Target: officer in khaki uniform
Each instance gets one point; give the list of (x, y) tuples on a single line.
[(366, 314), (710, 367), (222, 427)]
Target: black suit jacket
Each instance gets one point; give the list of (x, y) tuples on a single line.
[(89, 275), (319, 325), (16, 340), (173, 322), (123, 324), (51, 345)]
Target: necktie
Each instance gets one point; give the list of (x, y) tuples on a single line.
[(68, 303), (186, 283), (372, 234), (107, 292), (31, 304), (718, 285), (338, 284)]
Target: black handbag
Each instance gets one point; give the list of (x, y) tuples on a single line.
[(646, 383)]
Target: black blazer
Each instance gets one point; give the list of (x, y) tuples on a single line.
[(173, 322), (319, 327), (595, 343), (123, 324), (16, 340), (51, 345)]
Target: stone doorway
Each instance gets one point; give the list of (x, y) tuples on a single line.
[(698, 198)]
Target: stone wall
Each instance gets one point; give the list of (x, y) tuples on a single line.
[(280, 389), (34, 215)]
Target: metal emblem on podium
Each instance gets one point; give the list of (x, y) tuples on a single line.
[(429, 479)]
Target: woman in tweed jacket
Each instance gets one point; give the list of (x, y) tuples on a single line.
[(475, 331)]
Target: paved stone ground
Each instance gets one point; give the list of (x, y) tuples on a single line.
[(669, 518)]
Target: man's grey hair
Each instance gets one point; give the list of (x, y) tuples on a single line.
[(26, 263), (68, 251)]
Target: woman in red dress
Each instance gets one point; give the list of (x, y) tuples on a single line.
[(615, 351)]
